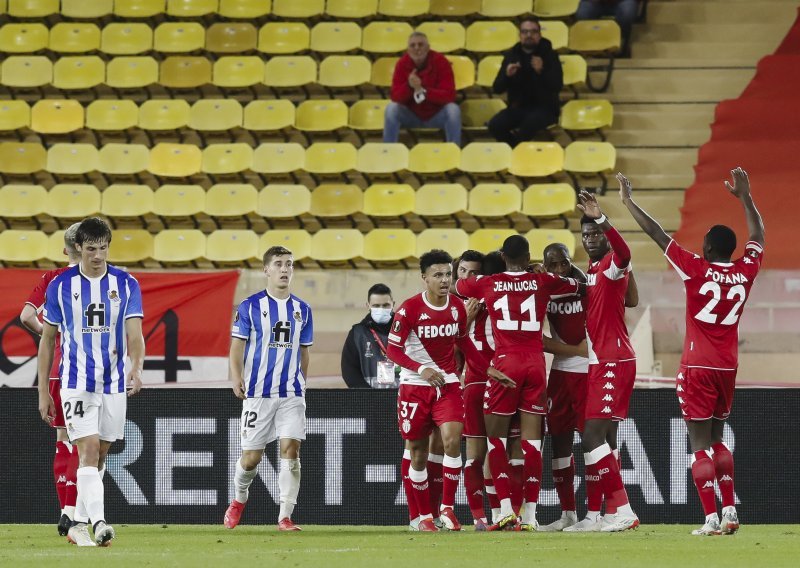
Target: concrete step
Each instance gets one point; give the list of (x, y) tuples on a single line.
[(658, 168), (722, 12), (744, 33), (707, 53), (632, 85), (661, 124), (664, 206)]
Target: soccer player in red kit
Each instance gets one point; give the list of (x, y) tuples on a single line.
[(612, 370), (517, 302), (422, 340), (65, 463), (716, 291)]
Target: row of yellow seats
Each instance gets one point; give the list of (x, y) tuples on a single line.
[(59, 116), (286, 8), (282, 71), (277, 38), (529, 159), (230, 246), (284, 201)]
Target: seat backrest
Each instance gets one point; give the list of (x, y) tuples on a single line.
[(282, 38), (491, 36), (453, 241), (389, 199), (175, 160), (335, 37), (277, 201), (385, 37)]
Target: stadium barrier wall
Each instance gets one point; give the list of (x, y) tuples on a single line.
[(176, 462)]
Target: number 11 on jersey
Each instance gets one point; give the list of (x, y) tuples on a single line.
[(508, 324)]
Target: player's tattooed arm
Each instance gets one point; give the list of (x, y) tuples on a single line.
[(741, 190), (236, 367), (645, 221)]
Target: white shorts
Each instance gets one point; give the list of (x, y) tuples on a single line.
[(89, 413), (267, 419)]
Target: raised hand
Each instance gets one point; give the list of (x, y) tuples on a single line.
[(741, 183), (625, 188), (512, 68), (589, 205)]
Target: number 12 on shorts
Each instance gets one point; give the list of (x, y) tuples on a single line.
[(249, 419)]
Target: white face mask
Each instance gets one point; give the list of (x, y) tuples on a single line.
[(381, 315)]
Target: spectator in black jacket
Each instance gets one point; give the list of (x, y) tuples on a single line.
[(364, 362), (531, 74)]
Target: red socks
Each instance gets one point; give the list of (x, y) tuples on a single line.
[(451, 474), (532, 450), (405, 465), (435, 480), (473, 484), (71, 493), (703, 475), (723, 467), (419, 487), (563, 476), (60, 465), (498, 465), (603, 468)]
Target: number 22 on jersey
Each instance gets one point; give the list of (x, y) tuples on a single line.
[(714, 290)]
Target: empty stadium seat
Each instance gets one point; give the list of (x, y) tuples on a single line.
[(439, 200), (15, 114), (81, 9), (382, 158), (540, 238), (179, 201), (191, 8), (231, 200), (437, 157), (336, 245), (227, 158), (238, 71), (584, 115), (126, 38), (26, 71), (555, 8), (56, 116), (78, 72), (536, 159), (475, 113), (73, 201), (182, 72), (164, 114), (403, 8), (123, 201), (24, 38), (283, 201), (444, 37), (557, 32), (179, 246), (331, 201), (298, 8), (139, 8), (453, 241), (213, 115), (282, 38), (269, 115), (485, 157), (506, 8), (335, 37), (175, 160), (574, 69), (463, 71), (231, 37), (488, 67), (389, 246), (548, 200), (368, 114), (280, 158), (179, 37), (491, 36), (487, 200), (72, 159), (355, 9), (330, 158), (296, 240), (130, 246), (382, 71), (244, 9), (583, 158), (454, 8), (131, 72), (55, 247), (123, 159), (290, 71), (344, 71), (389, 200), (595, 36), (22, 247), (112, 115), (321, 115), (22, 157), (488, 240), (74, 37), (33, 8), (385, 37), (22, 201)]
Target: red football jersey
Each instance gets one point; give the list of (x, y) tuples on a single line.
[(36, 299), (423, 335), (715, 296), (478, 347), (517, 303), (568, 324), (606, 285)]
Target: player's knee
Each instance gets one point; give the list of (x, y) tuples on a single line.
[(250, 460)]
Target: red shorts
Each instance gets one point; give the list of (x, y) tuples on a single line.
[(55, 392), (420, 408), (527, 369), (705, 393), (474, 425), (608, 389), (515, 428), (566, 402)]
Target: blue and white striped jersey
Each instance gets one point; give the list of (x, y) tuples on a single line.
[(90, 314), (274, 331)]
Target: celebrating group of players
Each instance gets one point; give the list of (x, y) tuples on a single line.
[(492, 328)]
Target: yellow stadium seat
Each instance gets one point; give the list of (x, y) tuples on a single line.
[(434, 157), (123, 159), (179, 201), (25, 71), (463, 71), (72, 201), (541, 238), (55, 247), (72, 159), (131, 72), (389, 246), (244, 9), (191, 8), (595, 36), (281, 38), (590, 158), (114, 115), (214, 115), (283, 201), (56, 116), (298, 8), (488, 200), (454, 8), (238, 71), (82, 9), (14, 114), (453, 241), (231, 37), (179, 246), (555, 8), (491, 36), (335, 37), (290, 71), (126, 38), (382, 71), (336, 245), (548, 200), (139, 8), (536, 159), (321, 115), (506, 8), (232, 246), (18, 201), (557, 32), (74, 37), (22, 247), (582, 115), (444, 37), (488, 240), (130, 246), (367, 114), (488, 67), (179, 37), (121, 201), (344, 71), (227, 158), (389, 200), (385, 37), (574, 68), (352, 9), (336, 201), (185, 72), (268, 115), (78, 72), (231, 200), (330, 158), (22, 157), (403, 8), (475, 113), (32, 8), (439, 200), (175, 160), (164, 114), (278, 158), (382, 158), (23, 38), (485, 157), (296, 240)]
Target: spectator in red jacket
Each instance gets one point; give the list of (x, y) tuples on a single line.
[(423, 93)]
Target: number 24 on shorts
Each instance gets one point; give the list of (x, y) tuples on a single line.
[(69, 411)]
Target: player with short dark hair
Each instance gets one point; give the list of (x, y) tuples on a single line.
[(717, 288)]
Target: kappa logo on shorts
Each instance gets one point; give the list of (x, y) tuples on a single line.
[(531, 480), (726, 477), (680, 376), (606, 410), (406, 425), (608, 398), (609, 375), (680, 400), (608, 386), (709, 484), (611, 364), (680, 388)]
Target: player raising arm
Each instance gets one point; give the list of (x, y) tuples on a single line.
[(716, 291)]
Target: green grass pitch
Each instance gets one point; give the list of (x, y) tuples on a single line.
[(378, 547)]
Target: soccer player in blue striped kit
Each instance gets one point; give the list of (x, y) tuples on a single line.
[(272, 331)]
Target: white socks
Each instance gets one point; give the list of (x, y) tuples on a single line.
[(289, 484), (90, 495), (529, 513), (242, 480)]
